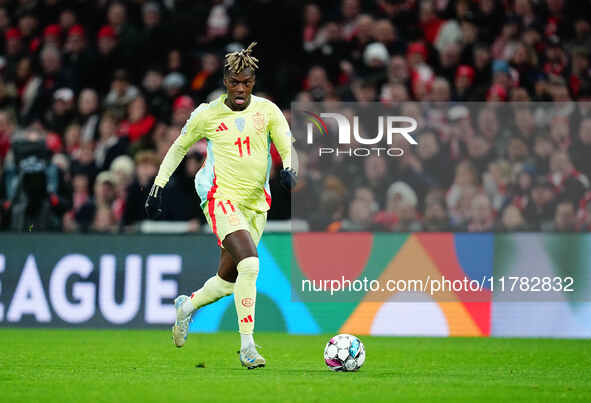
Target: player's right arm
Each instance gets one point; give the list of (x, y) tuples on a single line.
[(191, 133)]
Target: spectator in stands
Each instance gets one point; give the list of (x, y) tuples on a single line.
[(153, 90), (456, 131), (331, 208), (482, 218), (581, 149), (480, 152), (560, 132), (79, 59), (140, 123), (127, 35), (27, 25), (542, 150), (524, 124), (123, 170), (350, 10), (440, 90), (109, 58), (361, 211), (72, 139), (497, 182), (517, 151), (393, 94), (154, 37), (61, 113), (109, 144), (311, 36), (146, 168), (174, 84), (87, 116), (104, 220), (92, 215), (399, 193), (385, 33), (209, 78), (83, 161), (569, 184), (435, 217), (398, 72), (7, 127), (122, 93), (181, 110), (512, 219), (13, 47), (489, 128), (8, 99), (565, 219), (67, 19), (27, 85), (400, 213), (433, 160), (463, 81), (540, 206), (81, 196), (464, 186), (53, 77)]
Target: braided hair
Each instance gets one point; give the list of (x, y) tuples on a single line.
[(241, 60)]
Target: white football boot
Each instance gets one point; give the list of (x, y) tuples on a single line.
[(180, 330), (250, 357)]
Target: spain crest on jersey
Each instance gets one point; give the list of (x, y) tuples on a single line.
[(258, 120)]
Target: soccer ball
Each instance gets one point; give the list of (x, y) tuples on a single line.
[(344, 353)]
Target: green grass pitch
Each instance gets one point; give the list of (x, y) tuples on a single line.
[(144, 366)]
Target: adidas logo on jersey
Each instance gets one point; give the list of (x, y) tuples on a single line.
[(221, 127), (247, 319)]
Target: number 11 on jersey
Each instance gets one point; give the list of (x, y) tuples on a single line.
[(239, 143)]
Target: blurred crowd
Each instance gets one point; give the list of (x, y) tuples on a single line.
[(92, 94), (477, 167)]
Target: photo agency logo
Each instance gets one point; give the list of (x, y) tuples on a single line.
[(352, 143)]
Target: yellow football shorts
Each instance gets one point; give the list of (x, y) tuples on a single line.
[(225, 217)]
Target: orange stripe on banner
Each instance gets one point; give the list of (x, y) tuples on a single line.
[(361, 319), (442, 250), (410, 263)]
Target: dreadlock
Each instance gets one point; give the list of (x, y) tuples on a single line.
[(238, 61)]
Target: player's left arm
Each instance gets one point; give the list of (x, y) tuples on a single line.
[(283, 140)]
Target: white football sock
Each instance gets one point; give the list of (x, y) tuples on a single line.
[(245, 340), (245, 293)]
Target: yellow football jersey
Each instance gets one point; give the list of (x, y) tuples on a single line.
[(238, 161)]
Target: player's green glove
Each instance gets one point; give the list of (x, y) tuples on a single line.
[(287, 178), (154, 202)]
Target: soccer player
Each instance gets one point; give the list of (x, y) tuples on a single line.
[(233, 185)]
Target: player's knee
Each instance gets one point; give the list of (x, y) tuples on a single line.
[(248, 267), (224, 287)]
